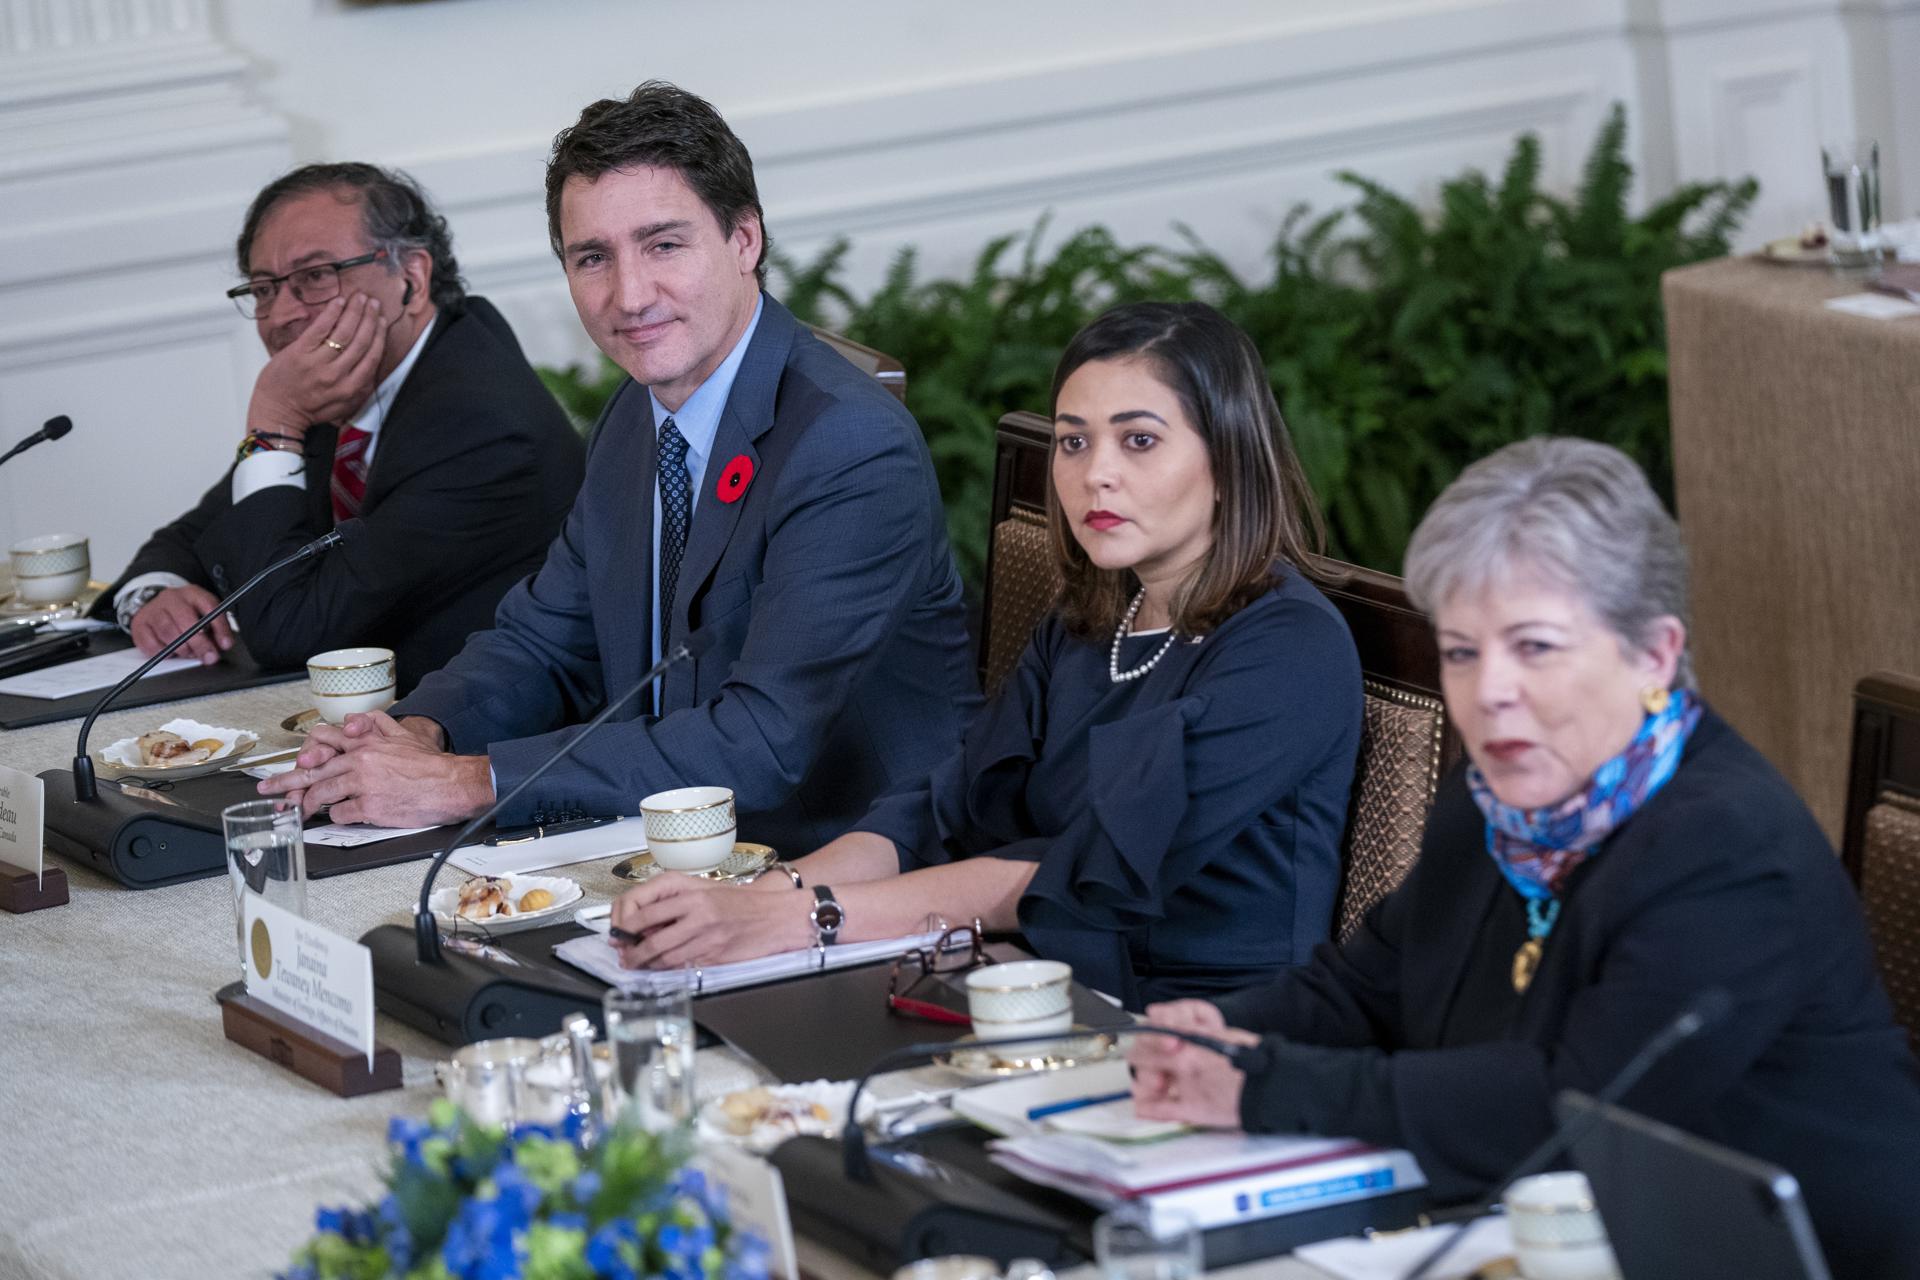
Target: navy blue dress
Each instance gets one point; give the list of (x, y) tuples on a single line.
[(1186, 824)]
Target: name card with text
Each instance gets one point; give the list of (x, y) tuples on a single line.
[(23, 827), (312, 975)]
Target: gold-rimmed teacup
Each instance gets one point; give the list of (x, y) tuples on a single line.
[(50, 569), (690, 828), (1022, 998), (344, 681)]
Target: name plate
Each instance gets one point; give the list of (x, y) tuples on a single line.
[(23, 826), (311, 974), (756, 1202)]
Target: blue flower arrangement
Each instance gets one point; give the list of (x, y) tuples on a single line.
[(467, 1201)]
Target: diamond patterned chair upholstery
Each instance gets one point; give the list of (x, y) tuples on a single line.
[(1405, 741), (1881, 842)]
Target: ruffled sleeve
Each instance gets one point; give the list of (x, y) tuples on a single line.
[(974, 801)]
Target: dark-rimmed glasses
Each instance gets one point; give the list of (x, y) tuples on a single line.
[(955, 951), (313, 284)]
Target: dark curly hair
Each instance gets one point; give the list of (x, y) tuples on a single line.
[(393, 209), (661, 126)]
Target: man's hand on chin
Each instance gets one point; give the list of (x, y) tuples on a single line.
[(387, 776)]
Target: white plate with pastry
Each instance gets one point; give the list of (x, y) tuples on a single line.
[(179, 748), (763, 1117), (505, 904)]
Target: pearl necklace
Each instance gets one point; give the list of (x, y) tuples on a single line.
[(1126, 624)]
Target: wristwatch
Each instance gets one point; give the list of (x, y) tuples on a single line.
[(827, 916), (133, 602)]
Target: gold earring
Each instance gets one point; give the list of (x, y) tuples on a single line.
[(1654, 699)]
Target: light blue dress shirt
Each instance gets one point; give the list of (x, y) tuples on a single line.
[(699, 421)]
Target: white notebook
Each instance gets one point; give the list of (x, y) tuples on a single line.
[(596, 956)]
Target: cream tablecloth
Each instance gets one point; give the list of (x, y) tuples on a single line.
[(136, 1141)]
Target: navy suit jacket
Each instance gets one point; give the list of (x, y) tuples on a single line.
[(839, 663)]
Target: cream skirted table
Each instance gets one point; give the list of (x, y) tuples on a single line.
[(1796, 454)]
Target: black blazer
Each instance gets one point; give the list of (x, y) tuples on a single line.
[(1411, 1033), (475, 469)]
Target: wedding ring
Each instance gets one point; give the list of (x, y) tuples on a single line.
[(337, 346)]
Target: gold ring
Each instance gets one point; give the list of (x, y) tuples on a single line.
[(335, 345)]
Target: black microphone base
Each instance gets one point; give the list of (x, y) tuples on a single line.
[(143, 844), (463, 998)]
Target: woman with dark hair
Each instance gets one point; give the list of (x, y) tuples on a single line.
[(1157, 793)]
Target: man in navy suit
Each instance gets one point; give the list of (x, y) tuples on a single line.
[(747, 480)]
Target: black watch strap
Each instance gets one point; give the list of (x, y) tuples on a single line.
[(828, 916)]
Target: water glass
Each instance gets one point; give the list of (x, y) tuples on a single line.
[(1852, 172), (265, 855), (1132, 1243), (651, 1034)]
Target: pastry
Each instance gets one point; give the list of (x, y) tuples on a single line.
[(162, 746), (536, 900), (484, 897), (745, 1110)]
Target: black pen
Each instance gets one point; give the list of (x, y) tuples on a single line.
[(521, 835)]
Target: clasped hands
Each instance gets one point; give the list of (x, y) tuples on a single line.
[(1174, 1080), (387, 772), (684, 921)]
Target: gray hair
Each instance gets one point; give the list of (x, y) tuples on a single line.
[(1576, 512)]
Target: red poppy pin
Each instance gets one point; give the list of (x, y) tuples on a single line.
[(734, 479)]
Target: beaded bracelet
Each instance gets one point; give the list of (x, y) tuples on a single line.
[(258, 442)]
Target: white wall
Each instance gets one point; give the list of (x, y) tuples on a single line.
[(132, 133)]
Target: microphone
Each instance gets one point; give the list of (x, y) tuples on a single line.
[(1704, 1010), (84, 786), (426, 929), (853, 1140), (52, 430)]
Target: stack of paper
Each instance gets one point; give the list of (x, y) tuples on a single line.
[(1104, 1155)]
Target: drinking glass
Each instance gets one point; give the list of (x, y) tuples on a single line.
[(651, 1032), (1133, 1244), (1853, 191), (265, 855)]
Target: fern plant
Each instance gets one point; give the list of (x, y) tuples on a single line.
[(1402, 343)]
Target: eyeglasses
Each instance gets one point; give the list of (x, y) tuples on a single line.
[(955, 951), (312, 285)]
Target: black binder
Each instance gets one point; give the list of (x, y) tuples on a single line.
[(235, 671)]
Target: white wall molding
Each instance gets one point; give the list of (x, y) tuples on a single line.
[(133, 133)]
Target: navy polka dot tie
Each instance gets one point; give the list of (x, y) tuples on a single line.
[(676, 513)]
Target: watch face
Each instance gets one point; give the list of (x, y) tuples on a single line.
[(827, 916)]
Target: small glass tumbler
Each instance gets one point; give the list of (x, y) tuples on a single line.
[(651, 1034), (1852, 171), (265, 855), (1132, 1243)]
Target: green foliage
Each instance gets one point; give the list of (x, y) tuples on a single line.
[(1402, 344)]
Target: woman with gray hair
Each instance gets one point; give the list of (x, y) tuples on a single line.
[(1612, 851)]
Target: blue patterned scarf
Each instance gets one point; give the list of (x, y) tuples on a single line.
[(1537, 849)]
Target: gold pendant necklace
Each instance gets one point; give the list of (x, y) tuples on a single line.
[(1525, 961)]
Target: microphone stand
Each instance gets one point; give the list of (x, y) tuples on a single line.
[(53, 429), (1703, 1011), (84, 786), (426, 930), (853, 1139)]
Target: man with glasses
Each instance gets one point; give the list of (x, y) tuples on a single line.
[(389, 396)]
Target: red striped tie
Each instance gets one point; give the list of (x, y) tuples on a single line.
[(349, 473)]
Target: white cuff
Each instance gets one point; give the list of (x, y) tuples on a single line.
[(158, 578), (262, 470)]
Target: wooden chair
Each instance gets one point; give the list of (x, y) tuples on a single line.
[(1405, 742), (1880, 844), (890, 373)]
